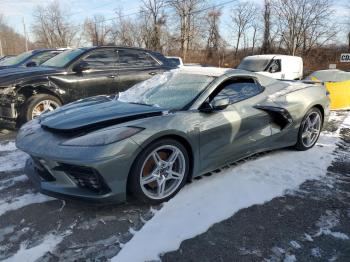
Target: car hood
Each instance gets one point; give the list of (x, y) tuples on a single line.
[(11, 75), (94, 113)]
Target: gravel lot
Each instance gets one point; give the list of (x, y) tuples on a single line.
[(310, 224)]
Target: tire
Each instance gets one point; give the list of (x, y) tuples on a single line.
[(34, 102), (302, 143), (145, 166)]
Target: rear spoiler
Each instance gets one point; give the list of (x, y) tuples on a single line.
[(310, 82)]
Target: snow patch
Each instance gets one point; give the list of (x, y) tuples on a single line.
[(290, 258), (8, 146), (21, 201), (308, 237), (295, 244), (328, 232), (346, 123), (327, 222), (12, 161), (205, 202), (11, 181), (316, 252), (32, 254)]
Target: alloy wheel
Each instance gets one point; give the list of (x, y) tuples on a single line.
[(42, 106), (311, 129), (162, 172)]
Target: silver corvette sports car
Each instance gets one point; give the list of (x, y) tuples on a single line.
[(149, 140)]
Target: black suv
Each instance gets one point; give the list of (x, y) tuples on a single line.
[(74, 74), (30, 58)]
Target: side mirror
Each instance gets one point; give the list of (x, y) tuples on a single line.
[(81, 67), (215, 105), (31, 64)]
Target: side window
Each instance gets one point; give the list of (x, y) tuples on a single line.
[(275, 66), (101, 59), (135, 58), (43, 57), (239, 89)]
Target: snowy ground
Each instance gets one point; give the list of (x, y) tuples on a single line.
[(282, 205)]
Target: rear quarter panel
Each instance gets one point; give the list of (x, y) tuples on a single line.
[(302, 100)]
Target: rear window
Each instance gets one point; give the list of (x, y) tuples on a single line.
[(254, 65), (135, 58)]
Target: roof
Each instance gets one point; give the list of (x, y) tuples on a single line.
[(208, 71), (270, 56), (119, 46)]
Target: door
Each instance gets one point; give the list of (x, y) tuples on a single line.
[(99, 79), (135, 66), (238, 130)]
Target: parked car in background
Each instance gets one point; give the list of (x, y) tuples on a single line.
[(30, 58), (275, 66), (337, 83), (74, 74), (175, 61)]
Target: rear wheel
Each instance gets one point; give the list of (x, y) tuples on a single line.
[(159, 172), (310, 129), (38, 104)]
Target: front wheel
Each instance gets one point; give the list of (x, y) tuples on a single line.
[(38, 104), (159, 172), (310, 129)]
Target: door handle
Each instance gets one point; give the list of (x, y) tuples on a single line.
[(111, 76), (152, 73)]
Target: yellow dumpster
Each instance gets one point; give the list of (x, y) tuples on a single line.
[(337, 83)]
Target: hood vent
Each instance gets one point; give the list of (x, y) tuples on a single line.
[(100, 125)]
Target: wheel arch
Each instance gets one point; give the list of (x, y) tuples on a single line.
[(319, 107), (31, 90), (179, 138), (189, 150)]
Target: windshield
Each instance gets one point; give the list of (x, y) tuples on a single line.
[(254, 65), (64, 58), (16, 59), (172, 90)]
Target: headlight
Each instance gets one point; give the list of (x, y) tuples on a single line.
[(6, 90), (105, 137)]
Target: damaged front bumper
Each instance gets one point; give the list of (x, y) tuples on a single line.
[(92, 174), (8, 110), (65, 186)]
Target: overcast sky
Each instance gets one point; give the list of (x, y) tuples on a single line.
[(17, 10)]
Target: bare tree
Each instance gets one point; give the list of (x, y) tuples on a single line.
[(242, 17), (51, 26), (266, 45), (127, 31), (154, 10), (255, 28), (11, 43), (304, 24), (213, 38), (187, 12), (96, 30)]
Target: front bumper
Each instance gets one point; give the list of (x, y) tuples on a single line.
[(8, 111), (61, 171), (65, 188)]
